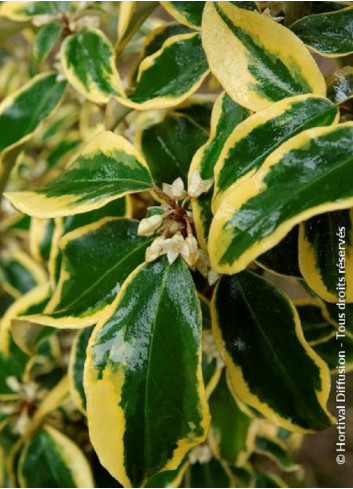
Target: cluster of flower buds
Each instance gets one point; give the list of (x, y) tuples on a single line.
[(174, 223)]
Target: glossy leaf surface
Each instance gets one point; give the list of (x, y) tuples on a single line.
[(52, 455), (169, 147), (107, 168), (21, 114), (226, 115), (329, 34), (97, 80), (96, 259), (263, 339), (249, 55), (306, 176), (231, 436), (258, 136), (144, 357), (325, 241)]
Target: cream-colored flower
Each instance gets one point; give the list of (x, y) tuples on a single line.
[(201, 454), (176, 190), (209, 347), (149, 225), (13, 383), (198, 186), (155, 250), (193, 251), (175, 246), (20, 426), (30, 391)]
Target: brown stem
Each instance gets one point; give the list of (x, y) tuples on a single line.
[(165, 197)]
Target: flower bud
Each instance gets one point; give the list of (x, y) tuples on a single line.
[(149, 225), (199, 186)]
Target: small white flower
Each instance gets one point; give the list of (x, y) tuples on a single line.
[(22, 422), (175, 246), (200, 454), (209, 347), (30, 391), (149, 225), (13, 383), (193, 251), (175, 227), (212, 277), (199, 186), (155, 250), (176, 190), (8, 409)]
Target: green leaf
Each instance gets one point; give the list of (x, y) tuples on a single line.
[(341, 316), (231, 437), (282, 259), (155, 40), (115, 208), (145, 379), (96, 259), (46, 39), (99, 79), (22, 112), (169, 478), (334, 350), (40, 238), (131, 17), (329, 34), (325, 242), (76, 365), (340, 85), (226, 115), (211, 360), (57, 460), (266, 479), (170, 145), (258, 136), (308, 175), (316, 327), (262, 347), (22, 11), (19, 273), (327, 6), (13, 361), (198, 108), (244, 476), (171, 75), (187, 13), (275, 451), (256, 60), (107, 168), (208, 474)]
